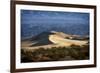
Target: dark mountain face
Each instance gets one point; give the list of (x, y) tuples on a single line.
[(77, 29), (34, 22)]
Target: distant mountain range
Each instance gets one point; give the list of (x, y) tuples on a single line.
[(28, 30)]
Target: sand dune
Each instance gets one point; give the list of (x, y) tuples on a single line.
[(66, 42), (53, 39)]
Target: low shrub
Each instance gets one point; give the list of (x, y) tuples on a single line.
[(56, 54)]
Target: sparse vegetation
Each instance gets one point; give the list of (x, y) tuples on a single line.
[(56, 54)]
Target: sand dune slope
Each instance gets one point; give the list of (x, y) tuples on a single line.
[(66, 42)]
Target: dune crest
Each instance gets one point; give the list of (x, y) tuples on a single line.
[(62, 40)]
